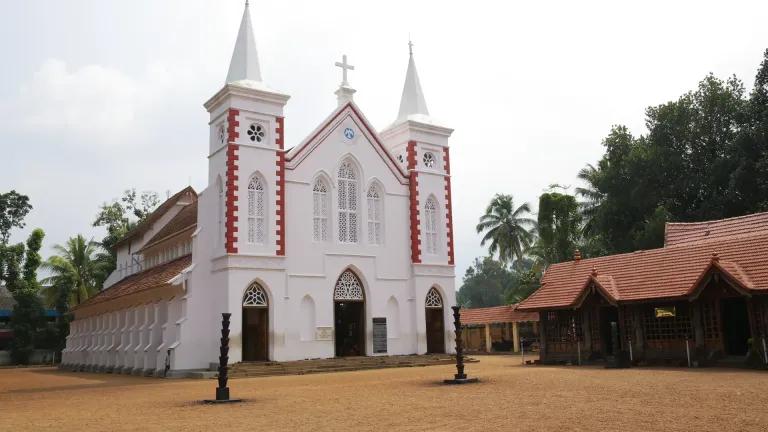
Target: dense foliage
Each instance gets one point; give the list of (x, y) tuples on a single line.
[(488, 282), (705, 156)]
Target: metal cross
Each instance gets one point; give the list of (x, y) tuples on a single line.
[(344, 67), (410, 47)]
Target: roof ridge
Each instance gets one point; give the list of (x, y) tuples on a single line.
[(719, 220)]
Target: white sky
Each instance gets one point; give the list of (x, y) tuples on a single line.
[(100, 96)]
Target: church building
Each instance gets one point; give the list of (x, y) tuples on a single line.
[(339, 246)]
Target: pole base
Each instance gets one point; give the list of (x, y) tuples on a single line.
[(223, 401), (461, 381)]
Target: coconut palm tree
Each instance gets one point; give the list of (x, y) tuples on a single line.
[(507, 228), (75, 270), (591, 197)]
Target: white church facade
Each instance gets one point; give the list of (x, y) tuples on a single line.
[(339, 246)]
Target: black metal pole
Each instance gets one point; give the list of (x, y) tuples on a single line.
[(460, 377), (222, 391)]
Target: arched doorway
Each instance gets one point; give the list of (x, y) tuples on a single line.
[(435, 325), (255, 324), (349, 315)]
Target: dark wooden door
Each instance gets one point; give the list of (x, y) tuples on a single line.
[(255, 334), (435, 330), (349, 328)]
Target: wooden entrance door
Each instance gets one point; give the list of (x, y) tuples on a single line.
[(255, 334), (435, 331)]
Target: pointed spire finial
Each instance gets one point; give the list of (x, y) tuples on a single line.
[(244, 65), (412, 100)]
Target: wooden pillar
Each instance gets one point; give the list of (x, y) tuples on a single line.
[(536, 328), (488, 338), (639, 336), (586, 328), (698, 325), (543, 336), (515, 337)]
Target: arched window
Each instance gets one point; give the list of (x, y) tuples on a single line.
[(220, 218), (348, 224), (434, 299), (430, 225), (348, 287), (320, 211), (375, 216), (255, 296), (257, 203)]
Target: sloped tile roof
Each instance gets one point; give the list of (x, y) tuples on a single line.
[(496, 314), (679, 233), (668, 272), (144, 225), (186, 218), (154, 277)]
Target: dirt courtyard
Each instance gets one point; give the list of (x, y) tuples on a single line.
[(510, 397)]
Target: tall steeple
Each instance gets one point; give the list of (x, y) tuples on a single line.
[(412, 101), (244, 67)]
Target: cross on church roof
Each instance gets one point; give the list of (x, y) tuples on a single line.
[(344, 67)]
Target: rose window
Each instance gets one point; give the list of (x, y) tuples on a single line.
[(429, 160), (256, 132)]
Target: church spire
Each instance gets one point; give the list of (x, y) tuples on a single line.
[(245, 58), (412, 100)]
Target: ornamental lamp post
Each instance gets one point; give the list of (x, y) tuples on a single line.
[(460, 377)]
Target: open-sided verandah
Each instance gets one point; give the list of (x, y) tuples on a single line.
[(718, 321)]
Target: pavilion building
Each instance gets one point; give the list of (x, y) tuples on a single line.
[(702, 298)]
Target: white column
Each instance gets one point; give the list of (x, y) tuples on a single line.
[(126, 352), (516, 336), (162, 335), (99, 358), (149, 343), (138, 349)]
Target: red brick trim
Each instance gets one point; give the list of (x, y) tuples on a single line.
[(448, 205), (413, 188), (280, 193), (230, 237)]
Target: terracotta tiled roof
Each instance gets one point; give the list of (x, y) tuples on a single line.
[(142, 227), (496, 314), (679, 233), (669, 272), (154, 277), (186, 218)]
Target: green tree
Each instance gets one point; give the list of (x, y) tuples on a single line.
[(75, 272), (489, 282), (119, 217), (506, 228), (21, 279), (14, 207), (558, 227)]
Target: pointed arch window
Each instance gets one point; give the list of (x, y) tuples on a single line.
[(257, 203), (348, 288), (434, 299), (347, 208), (375, 215), (320, 211), (255, 296), (430, 225)]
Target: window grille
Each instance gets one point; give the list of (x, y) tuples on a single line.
[(374, 216), (348, 287), (430, 225), (256, 211), (347, 208), (320, 211), (255, 296), (434, 300)]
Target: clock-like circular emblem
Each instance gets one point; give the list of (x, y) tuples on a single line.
[(349, 133)]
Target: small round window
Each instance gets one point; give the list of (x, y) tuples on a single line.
[(400, 158), (222, 134), (429, 160), (256, 132)]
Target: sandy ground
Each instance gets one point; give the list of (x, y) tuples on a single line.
[(510, 397)]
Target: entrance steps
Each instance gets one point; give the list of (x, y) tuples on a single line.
[(338, 364)]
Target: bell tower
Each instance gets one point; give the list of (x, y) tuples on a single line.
[(246, 158), (420, 144)]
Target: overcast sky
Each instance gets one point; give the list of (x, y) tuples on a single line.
[(100, 96)]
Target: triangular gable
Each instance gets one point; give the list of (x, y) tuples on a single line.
[(604, 288), (732, 273), (349, 110)]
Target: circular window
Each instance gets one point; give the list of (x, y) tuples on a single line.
[(222, 134), (256, 132), (400, 158), (429, 160)]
